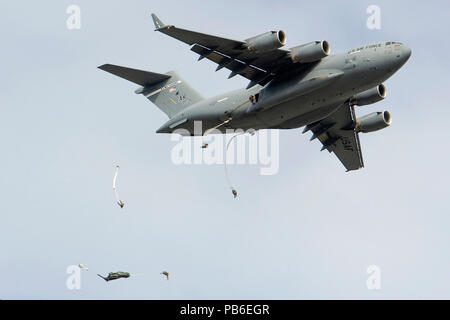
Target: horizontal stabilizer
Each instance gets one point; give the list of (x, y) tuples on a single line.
[(143, 78), (168, 91)]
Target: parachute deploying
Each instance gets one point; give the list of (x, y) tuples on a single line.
[(166, 274), (233, 190), (82, 266), (119, 202)]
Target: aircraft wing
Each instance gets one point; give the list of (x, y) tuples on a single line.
[(258, 67), (337, 134)]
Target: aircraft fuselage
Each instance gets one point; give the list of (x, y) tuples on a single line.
[(297, 99)]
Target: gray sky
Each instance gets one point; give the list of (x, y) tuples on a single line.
[(308, 232)]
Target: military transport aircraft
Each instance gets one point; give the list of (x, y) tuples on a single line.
[(288, 89)]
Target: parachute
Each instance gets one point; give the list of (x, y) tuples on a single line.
[(119, 202), (82, 266), (205, 145), (233, 190)]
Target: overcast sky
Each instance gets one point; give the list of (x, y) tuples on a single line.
[(309, 231)]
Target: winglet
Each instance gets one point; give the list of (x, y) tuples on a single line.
[(158, 23)]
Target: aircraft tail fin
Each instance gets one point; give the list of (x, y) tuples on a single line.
[(158, 23), (169, 92)]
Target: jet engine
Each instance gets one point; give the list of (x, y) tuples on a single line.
[(267, 41), (369, 96), (310, 52), (373, 122)]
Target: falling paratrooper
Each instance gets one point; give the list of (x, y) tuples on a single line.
[(119, 202), (233, 190), (115, 275), (166, 274)]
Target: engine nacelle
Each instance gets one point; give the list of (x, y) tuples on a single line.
[(369, 96), (310, 52), (373, 122), (267, 41)]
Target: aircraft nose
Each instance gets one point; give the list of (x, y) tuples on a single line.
[(400, 57), (406, 53)]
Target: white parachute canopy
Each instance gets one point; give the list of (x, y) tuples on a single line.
[(233, 190), (82, 266), (119, 202)]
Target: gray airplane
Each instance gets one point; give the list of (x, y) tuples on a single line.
[(288, 89)]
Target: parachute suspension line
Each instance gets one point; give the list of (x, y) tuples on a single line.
[(218, 126), (119, 202), (205, 145), (241, 105), (233, 190)]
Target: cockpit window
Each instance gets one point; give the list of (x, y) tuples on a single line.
[(392, 42), (370, 46), (356, 50)]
